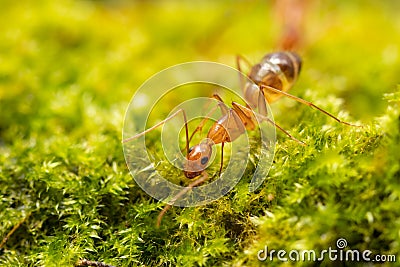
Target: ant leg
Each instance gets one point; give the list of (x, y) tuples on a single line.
[(202, 179), (221, 104), (247, 117), (240, 58), (263, 111), (161, 123), (306, 103), (222, 158), (263, 118), (203, 121), (224, 111)]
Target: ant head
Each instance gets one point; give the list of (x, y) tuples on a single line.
[(197, 159)]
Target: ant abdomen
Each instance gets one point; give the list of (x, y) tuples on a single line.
[(278, 70), (288, 62)]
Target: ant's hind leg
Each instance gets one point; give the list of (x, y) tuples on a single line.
[(305, 102)]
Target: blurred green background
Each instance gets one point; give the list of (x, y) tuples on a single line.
[(68, 70)]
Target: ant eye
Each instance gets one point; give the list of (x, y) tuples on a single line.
[(204, 160)]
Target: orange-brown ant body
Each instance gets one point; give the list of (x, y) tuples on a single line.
[(274, 76)]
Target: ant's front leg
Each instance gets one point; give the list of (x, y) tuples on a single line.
[(224, 110), (161, 123), (200, 180), (222, 159)]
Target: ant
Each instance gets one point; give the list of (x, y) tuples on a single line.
[(272, 78)]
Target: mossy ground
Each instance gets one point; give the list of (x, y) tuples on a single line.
[(68, 70)]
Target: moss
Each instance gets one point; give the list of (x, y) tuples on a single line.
[(67, 72)]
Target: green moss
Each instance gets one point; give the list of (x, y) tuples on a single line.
[(67, 72)]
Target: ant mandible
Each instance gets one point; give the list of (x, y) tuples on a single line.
[(274, 76)]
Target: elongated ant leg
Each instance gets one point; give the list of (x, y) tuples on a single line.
[(161, 123), (262, 108), (269, 88), (263, 118), (224, 110), (247, 117), (232, 122), (202, 179), (235, 124), (203, 121), (221, 104), (240, 58), (222, 158)]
